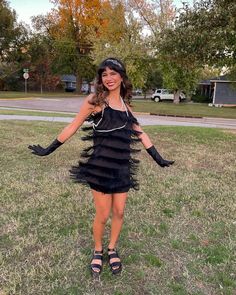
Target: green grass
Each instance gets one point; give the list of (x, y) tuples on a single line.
[(184, 109), (165, 108), (179, 233), (34, 113), (18, 94)]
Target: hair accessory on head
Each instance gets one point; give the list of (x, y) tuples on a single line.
[(114, 62)]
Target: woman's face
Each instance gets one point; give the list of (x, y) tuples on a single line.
[(111, 79)]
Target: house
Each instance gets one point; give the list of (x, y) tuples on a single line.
[(221, 90), (69, 82)]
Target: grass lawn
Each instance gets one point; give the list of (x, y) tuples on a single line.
[(184, 109), (34, 113), (179, 233), (18, 94)]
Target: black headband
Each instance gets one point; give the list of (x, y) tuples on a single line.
[(115, 62)]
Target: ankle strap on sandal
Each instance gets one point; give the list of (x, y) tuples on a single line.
[(98, 252)]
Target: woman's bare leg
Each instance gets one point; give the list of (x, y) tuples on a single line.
[(102, 204), (118, 207)]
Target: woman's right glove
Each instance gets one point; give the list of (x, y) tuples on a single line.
[(158, 158), (40, 151)]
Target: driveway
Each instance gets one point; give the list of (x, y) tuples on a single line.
[(73, 105)]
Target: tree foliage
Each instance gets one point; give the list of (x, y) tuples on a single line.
[(12, 35), (40, 52), (159, 17), (153, 39), (13, 39), (68, 26), (72, 21), (210, 28), (203, 35), (155, 15), (121, 37), (199, 36)]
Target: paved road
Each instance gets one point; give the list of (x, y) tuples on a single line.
[(143, 120), (47, 104), (73, 105)]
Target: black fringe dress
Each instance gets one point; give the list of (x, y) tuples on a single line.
[(107, 166)]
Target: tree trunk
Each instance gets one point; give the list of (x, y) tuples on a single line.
[(78, 83), (41, 85), (176, 96)]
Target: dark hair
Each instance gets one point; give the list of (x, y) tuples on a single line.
[(101, 91)]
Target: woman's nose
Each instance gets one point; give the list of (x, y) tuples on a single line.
[(108, 78)]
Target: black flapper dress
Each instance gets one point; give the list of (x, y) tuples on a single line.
[(107, 166)]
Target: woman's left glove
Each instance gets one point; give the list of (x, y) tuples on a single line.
[(158, 158), (40, 151)]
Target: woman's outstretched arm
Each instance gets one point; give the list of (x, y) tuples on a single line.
[(86, 109)]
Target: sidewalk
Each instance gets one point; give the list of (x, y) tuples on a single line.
[(144, 120)]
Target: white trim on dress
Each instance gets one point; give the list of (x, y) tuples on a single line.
[(117, 128)]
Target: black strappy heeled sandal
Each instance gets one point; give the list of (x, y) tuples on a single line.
[(116, 267), (93, 266)]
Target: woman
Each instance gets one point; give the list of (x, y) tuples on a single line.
[(107, 166)]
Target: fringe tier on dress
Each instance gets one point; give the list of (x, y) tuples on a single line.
[(107, 166)]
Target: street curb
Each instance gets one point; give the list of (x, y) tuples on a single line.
[(141, 113), (175, 116), (19, 98)]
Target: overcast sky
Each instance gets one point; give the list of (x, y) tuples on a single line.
[(27, 8)]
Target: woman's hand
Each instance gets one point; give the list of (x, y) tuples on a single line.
[(158, 158), (38, 150)]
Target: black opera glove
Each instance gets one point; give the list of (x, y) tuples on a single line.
[(40, 151), (158, 158)]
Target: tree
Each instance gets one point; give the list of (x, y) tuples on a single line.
[(180, 69), (13, 39), (213, 25), (8, 31), (154, 78), (40, 51), (12, 35), (155, 15), (177, 71), (121, 37), (203, 35), (70, 23)]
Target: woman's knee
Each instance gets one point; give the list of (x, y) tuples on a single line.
[(102, 217), (118, 213)]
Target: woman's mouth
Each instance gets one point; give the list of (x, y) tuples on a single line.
[(110, 84)]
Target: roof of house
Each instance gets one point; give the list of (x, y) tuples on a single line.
[(224, 78), (68, 78)]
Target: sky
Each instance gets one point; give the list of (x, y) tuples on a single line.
[(27, 8)]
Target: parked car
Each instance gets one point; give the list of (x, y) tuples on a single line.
[(137, 91), (165, 94), (70, 88)]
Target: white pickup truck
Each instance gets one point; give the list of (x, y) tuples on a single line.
[(165, 94)]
